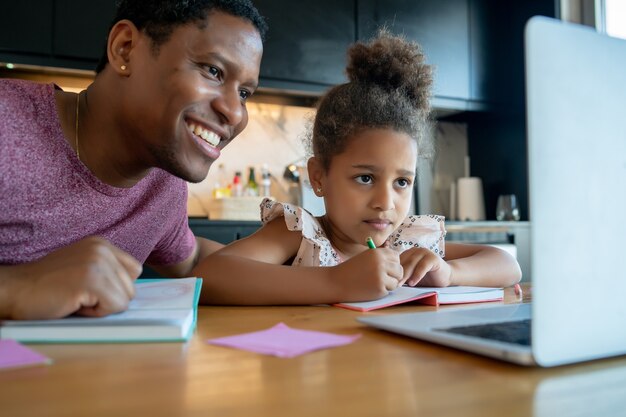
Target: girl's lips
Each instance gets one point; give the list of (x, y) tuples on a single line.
[(378, 224)]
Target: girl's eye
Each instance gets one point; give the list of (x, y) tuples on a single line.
[(244, 95), (403, 182), (364, 179)]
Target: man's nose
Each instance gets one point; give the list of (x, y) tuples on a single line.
[(229, 107)]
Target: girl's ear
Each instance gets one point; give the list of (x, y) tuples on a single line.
[(316, 174)]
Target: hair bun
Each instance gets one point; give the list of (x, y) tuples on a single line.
[(393, 63)]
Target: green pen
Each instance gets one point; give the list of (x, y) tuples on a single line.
[(370, 243)]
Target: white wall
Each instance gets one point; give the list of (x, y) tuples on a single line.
[(273, 137)]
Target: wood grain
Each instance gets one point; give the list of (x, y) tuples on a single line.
[(381, 374)]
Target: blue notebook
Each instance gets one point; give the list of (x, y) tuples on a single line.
[(163, 310)]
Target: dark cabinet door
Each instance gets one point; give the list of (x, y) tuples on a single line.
[(55, 33), (497, 48), (306, 42), (81, 28), (441, 27), (26, 26), (223, 231)]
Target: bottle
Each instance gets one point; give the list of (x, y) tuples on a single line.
[(252, 188), (221, 188), (237, 186), (266, 181)]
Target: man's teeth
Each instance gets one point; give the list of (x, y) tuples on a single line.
[(211, 137)]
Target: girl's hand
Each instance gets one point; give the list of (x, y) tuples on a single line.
[(425, 267), (368, 276)]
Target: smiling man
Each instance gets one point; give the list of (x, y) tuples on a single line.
[(93, 184)]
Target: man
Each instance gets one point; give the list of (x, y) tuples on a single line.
[(93, 185)]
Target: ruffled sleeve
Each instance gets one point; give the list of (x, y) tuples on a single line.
[(423, 231), (315, 249)]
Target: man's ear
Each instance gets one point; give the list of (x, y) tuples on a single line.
[(123, 37), (316, 176)]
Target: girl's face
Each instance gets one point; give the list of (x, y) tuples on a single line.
[(367, 189)]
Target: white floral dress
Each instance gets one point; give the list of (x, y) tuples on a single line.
[(423, 231)]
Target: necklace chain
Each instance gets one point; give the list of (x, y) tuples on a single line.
[(76, 126)]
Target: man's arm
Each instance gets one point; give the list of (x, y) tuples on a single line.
[(91, 277)]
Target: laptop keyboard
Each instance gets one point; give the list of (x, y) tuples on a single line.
[(516, 332)]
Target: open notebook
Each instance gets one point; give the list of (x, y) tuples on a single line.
[(431, 296), (163, 310)]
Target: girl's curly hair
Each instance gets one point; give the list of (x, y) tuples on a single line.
[(389, 87)]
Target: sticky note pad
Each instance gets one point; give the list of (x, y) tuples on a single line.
[(283, 341), (15, 355)]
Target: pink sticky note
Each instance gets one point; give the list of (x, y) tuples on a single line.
[(14, 355), (283, 341)]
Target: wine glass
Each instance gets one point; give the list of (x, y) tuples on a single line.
[(507, 208)]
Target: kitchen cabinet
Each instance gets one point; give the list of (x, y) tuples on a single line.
[(497, 135), (306, 44), (441, 27), (55, 33), (81, 28), (475, 46), (497, 49), (22, 30), (223, 231)]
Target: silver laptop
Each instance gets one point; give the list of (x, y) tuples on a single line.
[(576, 109)]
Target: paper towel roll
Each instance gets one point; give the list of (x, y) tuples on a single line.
[(471, 205)]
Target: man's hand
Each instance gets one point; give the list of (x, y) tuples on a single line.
[(91, 278)]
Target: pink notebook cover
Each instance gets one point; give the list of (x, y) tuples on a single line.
[(429, 297)]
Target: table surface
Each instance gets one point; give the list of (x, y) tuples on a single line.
[(381, 374)]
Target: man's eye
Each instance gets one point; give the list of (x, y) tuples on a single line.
[(212, 71), (364, 179)]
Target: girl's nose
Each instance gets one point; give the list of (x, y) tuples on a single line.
[(383, 198)]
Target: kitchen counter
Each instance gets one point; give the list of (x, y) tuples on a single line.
[(501, 234)]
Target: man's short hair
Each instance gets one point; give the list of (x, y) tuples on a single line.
[(158, 18)]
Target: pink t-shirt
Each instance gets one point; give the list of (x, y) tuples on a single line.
[(49, 199)]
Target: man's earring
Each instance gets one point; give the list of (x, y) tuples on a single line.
[(123, 67), (318, 189)]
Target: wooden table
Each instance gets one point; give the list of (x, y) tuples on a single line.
[(381, 374)]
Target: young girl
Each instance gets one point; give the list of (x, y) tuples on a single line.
[(365, 147)]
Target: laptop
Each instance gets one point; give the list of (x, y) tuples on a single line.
[(576, 110)]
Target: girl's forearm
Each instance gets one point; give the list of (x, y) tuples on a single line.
[(489, 267), (235, 280)]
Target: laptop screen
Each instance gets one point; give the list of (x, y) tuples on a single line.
[(576, 108)]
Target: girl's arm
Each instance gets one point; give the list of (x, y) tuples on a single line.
[(250, 271), (481, 265), (475, 265)]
